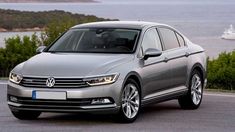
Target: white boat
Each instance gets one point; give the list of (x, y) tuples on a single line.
[(229, 33)]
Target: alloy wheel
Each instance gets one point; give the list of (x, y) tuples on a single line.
[(196, 89), (130, 101)]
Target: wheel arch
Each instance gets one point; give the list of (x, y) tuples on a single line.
[(135, 76)]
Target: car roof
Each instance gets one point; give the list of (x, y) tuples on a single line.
[(118, 24)]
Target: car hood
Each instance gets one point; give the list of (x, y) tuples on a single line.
[(73, 64)]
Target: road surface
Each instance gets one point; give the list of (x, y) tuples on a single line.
[(216, 114)]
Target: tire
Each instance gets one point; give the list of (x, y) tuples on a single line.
[(26, 115), (193, 98), (130, 102)]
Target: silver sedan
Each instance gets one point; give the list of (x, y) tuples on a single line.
[(109, 67)]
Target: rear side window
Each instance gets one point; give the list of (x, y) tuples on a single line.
[(180, 39), (169, 38)]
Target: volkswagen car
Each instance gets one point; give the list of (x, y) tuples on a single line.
[(113, 67)]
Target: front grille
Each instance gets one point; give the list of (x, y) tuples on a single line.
[(59, 82)]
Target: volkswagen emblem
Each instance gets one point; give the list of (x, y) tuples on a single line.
[(50, 82)]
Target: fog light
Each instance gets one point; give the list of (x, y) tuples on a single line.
[(100, 101), (13, 99)]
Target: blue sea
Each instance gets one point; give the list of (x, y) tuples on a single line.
[(203, 21)]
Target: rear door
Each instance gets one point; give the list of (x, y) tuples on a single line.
[(174, 47)]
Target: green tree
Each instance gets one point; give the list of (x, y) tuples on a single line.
[(55, 29)]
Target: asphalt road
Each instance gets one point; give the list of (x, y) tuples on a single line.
[(216, 114)]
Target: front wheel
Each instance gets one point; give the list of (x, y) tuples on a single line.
[(194, 96), (130, 102), (26, 115)]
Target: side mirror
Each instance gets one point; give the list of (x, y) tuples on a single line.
[(151, 52), (40, 49)]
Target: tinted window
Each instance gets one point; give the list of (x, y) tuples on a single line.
[(151, 40), (169, 38), (96, 40), (181, 40)]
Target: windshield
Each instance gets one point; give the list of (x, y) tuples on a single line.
[(96, 41)]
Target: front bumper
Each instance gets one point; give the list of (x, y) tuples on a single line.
[(105, 109), (78, 100)]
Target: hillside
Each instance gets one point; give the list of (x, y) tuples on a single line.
[(13, 20), (43, 1)]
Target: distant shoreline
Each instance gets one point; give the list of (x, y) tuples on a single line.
[(21, 21), (35, 29), (49, 1)]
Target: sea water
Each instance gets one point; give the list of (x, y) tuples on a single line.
[(202, 21)]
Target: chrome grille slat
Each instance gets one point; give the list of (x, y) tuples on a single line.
[(35, 86), (37, 83), (60, 82), (78, 86), (64, 83)]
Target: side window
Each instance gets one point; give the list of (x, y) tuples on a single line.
[(180, 39), (151, 40), (169, 38)]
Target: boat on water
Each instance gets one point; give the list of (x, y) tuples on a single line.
[(229, 33)]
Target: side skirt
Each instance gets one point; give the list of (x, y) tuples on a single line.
[(165, 95)]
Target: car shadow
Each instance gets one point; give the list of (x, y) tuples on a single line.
[(161, 107)]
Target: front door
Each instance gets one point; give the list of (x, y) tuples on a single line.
[(155, 71)]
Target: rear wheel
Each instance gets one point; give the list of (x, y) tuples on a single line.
[(194, 96), (26, 115), (130, 102)]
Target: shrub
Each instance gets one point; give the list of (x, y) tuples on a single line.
[(221, 72), (17, 50)]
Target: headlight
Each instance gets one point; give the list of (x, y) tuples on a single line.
[(101, 80), (15, 78)]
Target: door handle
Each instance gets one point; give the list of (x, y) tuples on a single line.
[(165, 59), (186, 54)]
